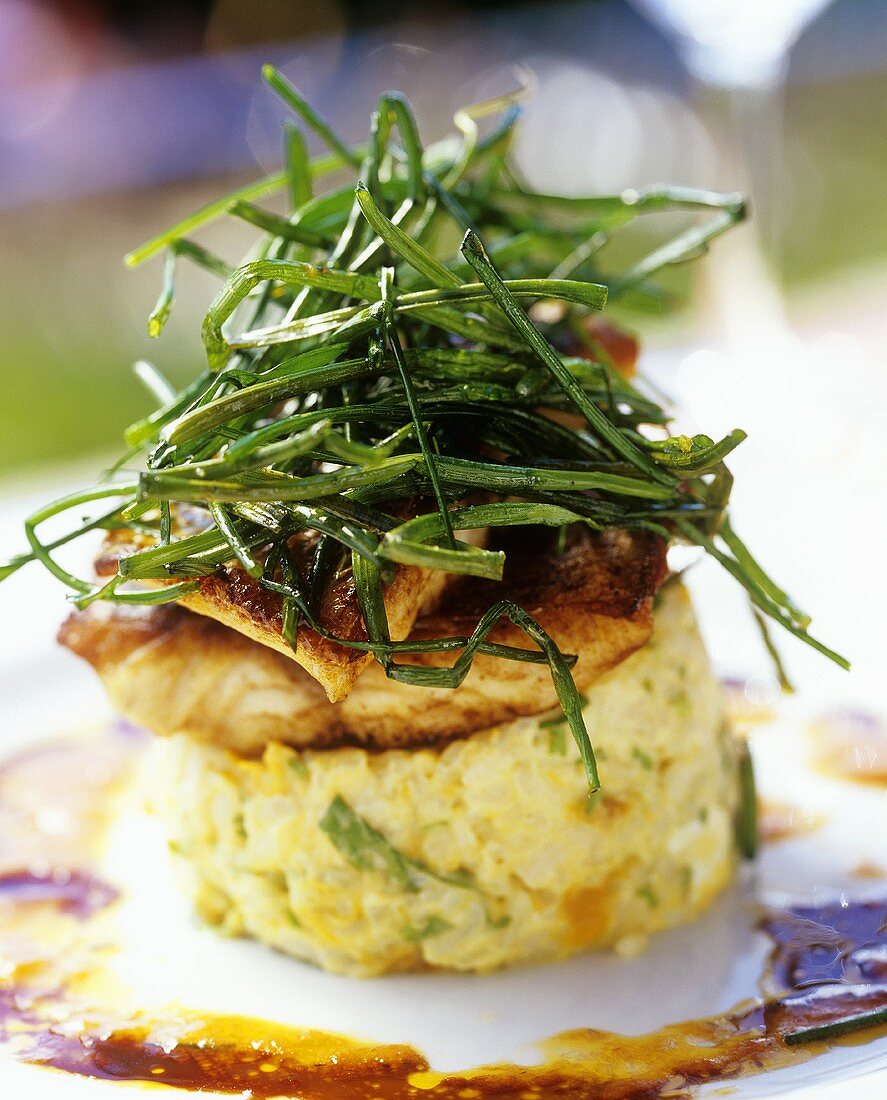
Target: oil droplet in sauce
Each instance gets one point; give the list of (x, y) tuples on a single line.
[(849, 744), (56, 917)]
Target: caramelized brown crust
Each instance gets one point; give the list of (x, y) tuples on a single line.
[(234, 598), (171, 670), (595, 600), (611, 573)]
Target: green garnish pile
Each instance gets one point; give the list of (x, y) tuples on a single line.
[(375, 347)]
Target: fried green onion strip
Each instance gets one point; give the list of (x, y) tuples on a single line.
[(83, 588), (834, 1029), (396, 348), (408, 543), (476, 255), (761, 594)]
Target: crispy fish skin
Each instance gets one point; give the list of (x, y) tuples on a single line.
[(232, 597), (172, 670)]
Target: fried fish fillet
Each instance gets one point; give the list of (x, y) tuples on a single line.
[(172, 671), (232, 597), (168, 669)]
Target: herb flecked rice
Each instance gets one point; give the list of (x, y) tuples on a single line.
[(485, 852)]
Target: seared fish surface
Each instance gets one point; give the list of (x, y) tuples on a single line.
[(233, 597), (172, 670)]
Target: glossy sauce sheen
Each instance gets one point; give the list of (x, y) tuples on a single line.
[(827, 962)]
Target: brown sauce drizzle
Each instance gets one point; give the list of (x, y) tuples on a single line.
[(827, 962), (851, 744)]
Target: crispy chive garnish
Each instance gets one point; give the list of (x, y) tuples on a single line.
[(369, 850), (434, 926), (747, 812), (817, 1033), (359, 363), (294, 98)]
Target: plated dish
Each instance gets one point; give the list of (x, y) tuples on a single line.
[(390, 579)]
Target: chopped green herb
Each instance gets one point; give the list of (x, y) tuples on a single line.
[(649, 895), (368, 850), (548, 723), (557, 739), (365, 847), (686, 873), (679, 699), (747, 814), (785, 683), (298, 767), (703, 814), (293, 919), (434, 926), (240, 825), (462, 878), (498, 922), (643, 758)]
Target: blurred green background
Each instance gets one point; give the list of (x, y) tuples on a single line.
[(72, 318)]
